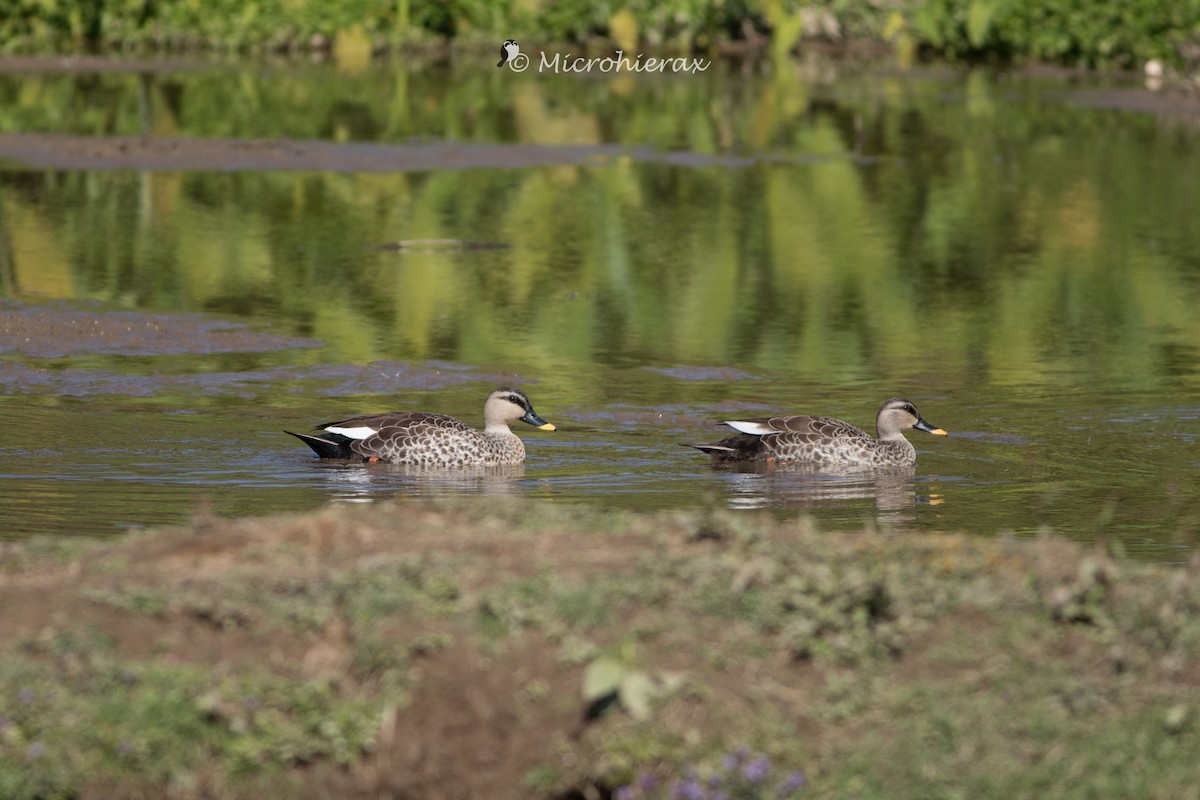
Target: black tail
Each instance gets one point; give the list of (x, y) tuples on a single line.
[(740, 447), (331, 445), (713, 449)]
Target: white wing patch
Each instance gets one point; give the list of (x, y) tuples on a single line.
[(361, 432), (753, 428)]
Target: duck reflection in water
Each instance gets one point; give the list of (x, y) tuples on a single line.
[(895, 494), (351, 483)]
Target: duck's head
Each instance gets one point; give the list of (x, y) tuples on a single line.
[(505, 405), (897, 415)]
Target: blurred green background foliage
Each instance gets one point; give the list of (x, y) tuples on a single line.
[(1076, 32)]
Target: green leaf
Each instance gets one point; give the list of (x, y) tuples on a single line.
[(601, 678), (979, 21), (636, 692)]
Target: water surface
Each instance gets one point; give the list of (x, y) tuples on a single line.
[(1020, 262)]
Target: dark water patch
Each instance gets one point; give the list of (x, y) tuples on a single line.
[(639, 418), (1140, 100), (94, 65), (706, 418), (61, 151), (53, 331), (439, 246), (387, 377), (330, 380), (704, 373), (991, 437), (18, 378)]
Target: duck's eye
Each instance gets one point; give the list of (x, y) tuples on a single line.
[(512, 398)]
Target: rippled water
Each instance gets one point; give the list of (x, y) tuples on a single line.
[(1018, 262)]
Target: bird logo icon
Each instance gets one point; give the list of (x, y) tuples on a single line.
[(508, 52)]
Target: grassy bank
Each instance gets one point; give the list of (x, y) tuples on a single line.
[(523, 651), (1076, 32)]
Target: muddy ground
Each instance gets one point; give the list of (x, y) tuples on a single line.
[(461, 652), (60, 151), (56, 330)]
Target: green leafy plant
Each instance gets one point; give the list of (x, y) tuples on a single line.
[(609, 680), (1072, 31)]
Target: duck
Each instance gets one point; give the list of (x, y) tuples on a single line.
[(824, 441), (425, 439)]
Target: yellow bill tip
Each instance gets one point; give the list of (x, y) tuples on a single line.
[(549, 426), (939, 432)]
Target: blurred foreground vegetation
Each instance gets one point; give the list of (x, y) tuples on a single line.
[(360, 652), (1087, 32)]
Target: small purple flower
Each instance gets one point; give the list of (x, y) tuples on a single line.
[(730, 762), (623, 793), (25, 696), (715, 779), (37, 750), (690, 789), (647, 782), (793, 783), (757, 770), (125, 749), (250, 702)]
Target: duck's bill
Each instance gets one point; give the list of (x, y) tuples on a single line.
[(922, 425), (537, 422)]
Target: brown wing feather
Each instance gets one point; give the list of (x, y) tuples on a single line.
[(398, 430), (827, 427), (801, 437), (396, 419)]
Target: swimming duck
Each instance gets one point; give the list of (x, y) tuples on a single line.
[(823, 440), (431, 440)]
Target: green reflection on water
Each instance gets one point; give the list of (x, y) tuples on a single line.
[(980, 240), (992, 230)]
